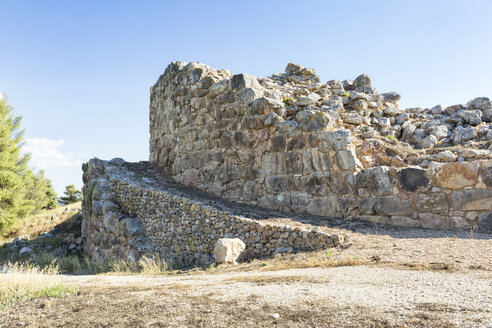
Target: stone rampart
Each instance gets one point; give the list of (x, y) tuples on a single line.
[(338, 149), (130, 210)]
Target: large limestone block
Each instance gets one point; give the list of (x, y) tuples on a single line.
[(457, 175), (435, 203), (433, 221), (376, 179), (404, 221), (347, 160), (241, 81), (130, 227), (485, 222), (273, 164), (313, 121), (412, 178), (227, 250), (323, 206), (486, 173), (472, 199), (262, 106), (331, 140), (393, 205)]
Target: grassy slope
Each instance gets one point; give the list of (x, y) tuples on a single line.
[(41, 222), (26, 279)]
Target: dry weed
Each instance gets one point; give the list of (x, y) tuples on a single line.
[(25, 281), (41, 222), (265, 280)]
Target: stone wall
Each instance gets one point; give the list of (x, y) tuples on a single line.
[(339, 149), (131, 210)]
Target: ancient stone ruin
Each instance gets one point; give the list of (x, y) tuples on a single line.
[(286, 143)]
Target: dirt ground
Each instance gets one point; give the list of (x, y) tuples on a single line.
[(356, 296), (385, 278)]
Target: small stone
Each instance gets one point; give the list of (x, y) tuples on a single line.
[(25, 251), (391, 96), (472, 117), (305, 101), (23, 237), (440, 132), (436, 109), (445, 156), (461, 134), (292, 68), (480, 103), (275, 316), (284, 250), (352, 118), (362, 80), (429, 142)]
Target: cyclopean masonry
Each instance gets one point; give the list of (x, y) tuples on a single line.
[(292, 143)]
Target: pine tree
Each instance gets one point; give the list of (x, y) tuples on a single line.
[(40, 190), (72, 195), (21, 191), (13, 169)]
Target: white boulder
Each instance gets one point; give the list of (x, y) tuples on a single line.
[(227, 250)]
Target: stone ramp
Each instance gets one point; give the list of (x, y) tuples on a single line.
[(133, 210)]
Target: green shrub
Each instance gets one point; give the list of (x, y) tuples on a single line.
[(289, 100), (392, 137), (88, 200)]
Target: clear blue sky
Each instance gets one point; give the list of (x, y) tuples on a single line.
[(80, 71)]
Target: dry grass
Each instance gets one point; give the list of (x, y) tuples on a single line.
[(418, 266), (289, 279), (323, 259), (146, 265), (41, 222), (21, 281), (85, 265), (313, 261)]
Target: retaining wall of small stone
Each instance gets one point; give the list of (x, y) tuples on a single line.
[(128, 214), (242, 139)]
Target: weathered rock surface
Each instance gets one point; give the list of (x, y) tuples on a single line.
[(152, 215), (329, 149), (228, 250), (292, 143)]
